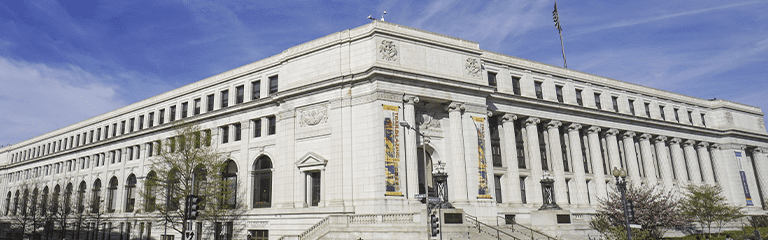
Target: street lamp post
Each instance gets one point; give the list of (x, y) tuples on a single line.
[(426, 171), (621, 184)]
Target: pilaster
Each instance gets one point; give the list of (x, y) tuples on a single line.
[(411, 159)]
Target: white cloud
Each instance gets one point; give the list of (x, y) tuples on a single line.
[(37, 98)]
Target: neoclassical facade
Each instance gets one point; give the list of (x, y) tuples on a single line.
[(316, 132)]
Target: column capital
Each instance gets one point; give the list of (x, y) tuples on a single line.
[(660, 139), (689, 142), (489, 113), (675, 141), (611, 132), (507, 117), (574, 127), (644, 137), (532, 120), (410, 99), (715, 146), (629, 134), (593, 130), (757, 150), (702, 145), (455, 106), (554, 124)]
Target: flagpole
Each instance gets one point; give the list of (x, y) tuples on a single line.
[(563, 48), (556, 17)]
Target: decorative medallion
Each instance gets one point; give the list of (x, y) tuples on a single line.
[(729, 118), (314, 115), (388, 50), (473, 67)]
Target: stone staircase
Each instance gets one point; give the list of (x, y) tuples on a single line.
[(508, 230)]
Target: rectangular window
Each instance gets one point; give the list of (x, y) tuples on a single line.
[(131, 123), (272, 85), (240, 91), (98, 135), (122, 128), (272, 125), (702, 120), (207, 137), (172, 113), (184, 109), (661, 113), (522, 190), (491, 79), (259, 234), (597, 101), (647, 109), (497, 187), (615, 101), (257, 128), (224, 98), (537, 87), (315, 188), (559, 93), (578, 98), (149, 149), (209, 101), (690, 117), (632, 107), (141, 122), (516, 85), (151, 119), (114, 130), (197, 106), (255, 90), (90, 139), (677, 118), (225, 134), (237, 131), (161, 116)]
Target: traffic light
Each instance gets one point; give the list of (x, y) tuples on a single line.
[(192, 207), (435, 225)]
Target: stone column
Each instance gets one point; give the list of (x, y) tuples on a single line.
[(629, 150), (665, 162), (534, 154), (693, 161), (510, 158), (761, 170), (706, 163), (555, 150), (679, 161), (578, 166), (457, 169), (411, 157), (721, 173), (613, 149), (597, 161), (646, 151)]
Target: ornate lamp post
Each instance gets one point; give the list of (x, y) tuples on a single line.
[(621, 184), (548, 192)]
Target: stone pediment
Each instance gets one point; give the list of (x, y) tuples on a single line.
[(311, 160)]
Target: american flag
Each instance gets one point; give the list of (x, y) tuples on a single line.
[(556, 18)]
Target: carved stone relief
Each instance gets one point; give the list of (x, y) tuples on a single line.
[(313, 115), (729, 118), (428, 115), (472, 67), (388, 50)]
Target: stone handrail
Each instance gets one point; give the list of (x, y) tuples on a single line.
[(313, 231)]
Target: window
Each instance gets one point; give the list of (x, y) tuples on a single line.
[(632, 107), (141, 122), (129, 151), (702, 120), (98, 137), (237, 131), (161, 116), (184, 109), (172, 115), (272, 122), (151, 119), (225, 134), (497, 187), (119, 155), (537, 87), (615, 101), (661, 112), (493, 123), (150, 186), (130, 127), (262, 182), (597, 101), (240, 91), (106, 135), (224, 98), (229, 175), (315, 191), (690, 117), (207, 137), (559, 93), (96, 200), (272, 85), (130, 187), (150, 149), (197, 106), (89, 140), (255, 90), (258, 234), (516, 85), (491, 79), (522, 190), (647, 109), (257, 128), (111, 194), (209, 101), (677, 118), (578, 98)]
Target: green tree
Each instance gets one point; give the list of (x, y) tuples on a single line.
[(189, 164), (706, 205), (655, 210)]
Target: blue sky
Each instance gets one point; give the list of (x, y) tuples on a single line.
[(62, 62)]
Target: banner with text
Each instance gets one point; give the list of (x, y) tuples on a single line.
[(744, 180), (392, 149), (482, 183)]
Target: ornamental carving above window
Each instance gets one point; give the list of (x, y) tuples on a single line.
[(313, 115), (473, 67), (388, 50)]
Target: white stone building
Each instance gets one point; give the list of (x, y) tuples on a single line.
[(318, 113)]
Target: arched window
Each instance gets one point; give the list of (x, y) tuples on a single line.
[(150, 186), (44, 202), (229, 194), (96, 200), (422, 172), (130, 186), (172, 188), (201, 178), (55, 199), (16, 203), (262, 182), (24, 201), (8, 203), (33, 205), (68, 199), (111, 194)]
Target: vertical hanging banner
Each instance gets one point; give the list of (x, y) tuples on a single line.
[(744, 180), (392, 149), (482, 182)]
